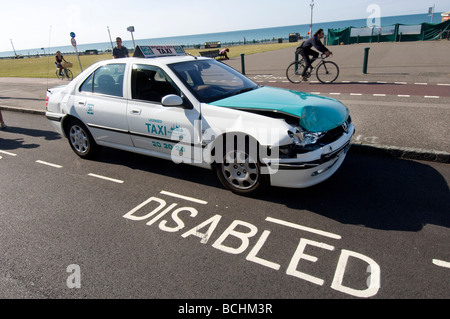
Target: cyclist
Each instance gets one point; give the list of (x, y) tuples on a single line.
[(305, 50), (58, 60)]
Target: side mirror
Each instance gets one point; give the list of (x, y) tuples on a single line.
[(172, 100)]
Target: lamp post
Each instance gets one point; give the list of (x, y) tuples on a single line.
[(310, 26), (15, 54), (110, 40), (131, 29)]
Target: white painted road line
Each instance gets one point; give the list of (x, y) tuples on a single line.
[(195, 200), (357, 94), (107, 178), (400, 83), (304, 228), (48, 164), (443, 84), (431, 97), (379, 95), (404, 95), (441, 263), (8, 153), (421, 83)]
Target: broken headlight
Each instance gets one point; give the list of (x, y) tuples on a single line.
[(304, 138)]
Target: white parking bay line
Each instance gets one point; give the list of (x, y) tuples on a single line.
[(192, 199), (107, 178), (48, 164), (441, 263), (304, 228), (8, 153)]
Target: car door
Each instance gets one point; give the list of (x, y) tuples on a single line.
[(101, 105), (157, 128)]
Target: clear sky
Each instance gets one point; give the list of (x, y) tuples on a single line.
[(43, 23)]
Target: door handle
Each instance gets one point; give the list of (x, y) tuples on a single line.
[(135, 111), (82, 103)]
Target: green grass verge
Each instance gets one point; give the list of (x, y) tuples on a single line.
[(43, 67)]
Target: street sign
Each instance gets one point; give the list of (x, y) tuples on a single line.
[(74, 42), (72, 34)]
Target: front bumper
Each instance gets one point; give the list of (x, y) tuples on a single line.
[(311, 168)]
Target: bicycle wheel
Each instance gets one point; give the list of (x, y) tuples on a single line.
[(59, 76), (327, 72), (294, 71), (69, 74)]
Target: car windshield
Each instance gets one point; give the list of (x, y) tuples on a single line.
[(210, 80)]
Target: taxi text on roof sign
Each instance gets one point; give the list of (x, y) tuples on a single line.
[(152, 51)]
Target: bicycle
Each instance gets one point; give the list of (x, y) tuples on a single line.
[(65, 74), (326, 71)]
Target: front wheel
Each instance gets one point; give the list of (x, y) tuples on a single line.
[(294, 71), (240, 173), (69, 74), (327, 72)]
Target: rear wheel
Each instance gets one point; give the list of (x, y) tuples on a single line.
[(80, 139), (294, 71)]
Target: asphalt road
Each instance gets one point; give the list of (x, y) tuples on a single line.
[(154, 229)]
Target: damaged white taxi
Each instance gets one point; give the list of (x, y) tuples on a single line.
[(199, 111)]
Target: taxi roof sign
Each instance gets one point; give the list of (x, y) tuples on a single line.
[(152, 51)]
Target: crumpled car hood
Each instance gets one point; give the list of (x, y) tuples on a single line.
[(315, 113)]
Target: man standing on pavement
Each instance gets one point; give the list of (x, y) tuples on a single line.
[(305, 50), (120, 51)]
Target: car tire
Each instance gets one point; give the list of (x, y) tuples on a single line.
[(239, 172), (80, 139)]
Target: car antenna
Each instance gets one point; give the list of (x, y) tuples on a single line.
[(191, 55)]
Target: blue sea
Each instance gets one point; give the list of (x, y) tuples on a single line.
[(234, 37)]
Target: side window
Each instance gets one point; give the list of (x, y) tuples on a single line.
[(150, 83), (107, 79), (87, 84)]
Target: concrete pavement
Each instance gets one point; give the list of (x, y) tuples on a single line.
[(409, 62)]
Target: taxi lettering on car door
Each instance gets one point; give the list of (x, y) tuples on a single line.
[(153, 126)]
